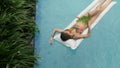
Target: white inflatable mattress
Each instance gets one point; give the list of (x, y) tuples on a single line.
[(73, 44)]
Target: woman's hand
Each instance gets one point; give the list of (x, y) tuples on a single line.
[(51, 40), (53, 33)]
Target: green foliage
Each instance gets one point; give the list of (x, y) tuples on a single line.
[(17, 26)]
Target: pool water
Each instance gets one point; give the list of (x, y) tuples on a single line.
[(101, 50)]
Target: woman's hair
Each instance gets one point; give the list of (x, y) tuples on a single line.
[(65, 36)]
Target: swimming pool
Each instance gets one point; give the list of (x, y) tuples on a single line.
[(101, 50)]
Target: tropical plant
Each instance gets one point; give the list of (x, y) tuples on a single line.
[(17, 27)]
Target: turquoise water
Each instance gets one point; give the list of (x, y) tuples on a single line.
[(101, 50)]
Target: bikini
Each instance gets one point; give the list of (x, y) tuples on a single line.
[(83, 19), (78, 30)]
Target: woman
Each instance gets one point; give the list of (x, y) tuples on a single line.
[(82, 23)]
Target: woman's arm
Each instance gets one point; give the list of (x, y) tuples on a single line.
[(56, 30), (53, 33), (86, 35)]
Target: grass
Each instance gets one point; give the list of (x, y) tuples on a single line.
[(17, 27)]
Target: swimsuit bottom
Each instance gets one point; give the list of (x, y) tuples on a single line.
[(85, 19)]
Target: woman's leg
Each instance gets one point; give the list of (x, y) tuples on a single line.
[(97, 13), (93, 12), (105, 6), (98, 8)]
